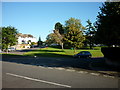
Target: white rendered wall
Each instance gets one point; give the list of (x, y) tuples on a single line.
[(26, 39)]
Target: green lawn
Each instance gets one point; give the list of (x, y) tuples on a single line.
[(54, 52)]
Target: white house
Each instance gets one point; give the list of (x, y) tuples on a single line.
[(24, 41), (26, 38)]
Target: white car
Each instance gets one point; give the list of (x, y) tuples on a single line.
[(11, 49)]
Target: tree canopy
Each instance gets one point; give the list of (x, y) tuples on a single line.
[(108, 26), (52, 39), (39, 43), (89, 33), (9, 37), (59, 32), (74, 35), (59, 26)]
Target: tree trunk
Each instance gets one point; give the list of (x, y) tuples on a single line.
[(62, 46), (74, 50), (90, 46), (7, 50)]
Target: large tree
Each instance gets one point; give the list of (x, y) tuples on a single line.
[(74, 35), (59, 26), (9, 37), (89, 33), (108, 26), (1, 38), (59, 31)]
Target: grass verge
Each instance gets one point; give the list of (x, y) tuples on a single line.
[(54, 52)]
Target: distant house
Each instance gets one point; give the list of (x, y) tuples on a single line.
[(24, 41), (26, 38)]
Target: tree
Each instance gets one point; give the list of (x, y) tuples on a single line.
[(52, 39), (0, 38), (9, 37), (90, 32), (59, 31), (59, 26), (108, 26), (74, 36), (39, 43)]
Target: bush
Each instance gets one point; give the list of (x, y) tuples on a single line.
[(111, 53)]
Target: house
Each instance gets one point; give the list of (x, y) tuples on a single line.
[(24, 41), (26, 38)]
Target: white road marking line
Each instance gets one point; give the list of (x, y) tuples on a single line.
[(95, 74), (33, 79)]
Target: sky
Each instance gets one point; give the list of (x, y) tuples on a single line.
[(39, 18)]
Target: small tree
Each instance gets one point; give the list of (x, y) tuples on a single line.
[(9, 37), (108, 26), (39, 43), (74, 36)]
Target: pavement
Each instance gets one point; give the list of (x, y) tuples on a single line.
[(16, 75)]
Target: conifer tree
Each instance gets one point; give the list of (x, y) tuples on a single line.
[(108, 26)]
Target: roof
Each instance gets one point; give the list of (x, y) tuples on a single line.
[(24, 35)]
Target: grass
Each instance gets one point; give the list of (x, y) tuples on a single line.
[(54, 52)]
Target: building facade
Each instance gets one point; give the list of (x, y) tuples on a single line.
[(26, 38), (24, 41)]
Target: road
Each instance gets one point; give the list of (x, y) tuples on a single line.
[(27, 76), (21, 52)]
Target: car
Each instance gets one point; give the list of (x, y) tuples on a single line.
[(11, 49), (83, 54)]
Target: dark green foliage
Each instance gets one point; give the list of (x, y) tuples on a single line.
[(59, 32), (9, 37), (0, 38), (39, 43), (90, 32), (58, 26), (111, 53), (108, 25)]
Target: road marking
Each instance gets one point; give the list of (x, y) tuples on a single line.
[(95, 74), (33, 79)]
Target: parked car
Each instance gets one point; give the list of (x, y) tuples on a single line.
[(11, 49), (83, 54)]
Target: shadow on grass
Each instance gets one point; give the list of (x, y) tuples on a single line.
[(43, 54), (48, 50), (96, 64)]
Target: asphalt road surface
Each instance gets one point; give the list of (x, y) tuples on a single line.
[(27, 76)]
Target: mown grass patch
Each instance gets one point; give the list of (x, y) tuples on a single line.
[(54, 52)]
